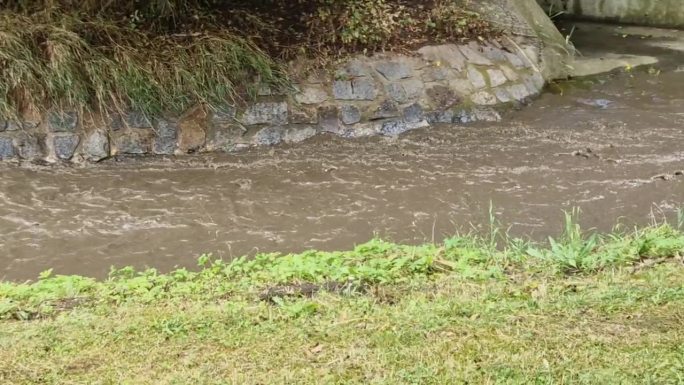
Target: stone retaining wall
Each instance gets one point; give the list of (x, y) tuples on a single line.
[(385, 94)]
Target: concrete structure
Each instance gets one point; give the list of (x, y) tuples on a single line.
[(664, 13)]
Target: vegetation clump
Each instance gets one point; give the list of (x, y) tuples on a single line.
[(167, 55)]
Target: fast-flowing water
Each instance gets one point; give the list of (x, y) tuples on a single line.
[(612, 146)]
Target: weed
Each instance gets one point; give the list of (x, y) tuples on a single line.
[(573, 251)]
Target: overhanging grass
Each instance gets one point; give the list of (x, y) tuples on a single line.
[(473, 309), (63, 62)]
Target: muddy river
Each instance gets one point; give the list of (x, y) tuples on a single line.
[(612, 146)]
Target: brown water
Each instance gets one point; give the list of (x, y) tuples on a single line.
[(618, 159)]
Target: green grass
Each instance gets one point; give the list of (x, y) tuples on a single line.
[(585, 309)]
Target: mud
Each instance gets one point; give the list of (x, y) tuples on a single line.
[(612, 146)]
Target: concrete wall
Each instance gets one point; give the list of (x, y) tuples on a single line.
[(669, 13)]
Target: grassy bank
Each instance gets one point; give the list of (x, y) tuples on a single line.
[(583, 308)]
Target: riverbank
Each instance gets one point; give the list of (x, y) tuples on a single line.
[(584, 308), (87, 82)]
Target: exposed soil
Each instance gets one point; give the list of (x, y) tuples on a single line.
[(612, 146)]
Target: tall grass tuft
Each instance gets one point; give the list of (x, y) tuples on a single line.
[(66, 62)]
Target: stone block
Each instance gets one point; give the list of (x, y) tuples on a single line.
[(342, 90), (486, 115), (65, 145), (444, 55), (6, 149), (442, 97), (441, 116), (493, 53), (328, 119), (29, 147), (462, 87), (484, 98), (268, 136), (496, 77), (470, 51), (534, 83), (265, 113), (133, 142), (396, 127), (394, 70), (414, 113), (406, 91), (62, 121), (224, 137), (355, 89), (96, 146), (515, 60), (387, 109), (312, 95), (350, 114), (510, 73), (3, 125), (414, 88), (502, 95), (191, 131), (166, 136), (362, 130), (478, 114), (353, 69), (396, 92), (393, 128), (476, 78), (364, 89), (296, 134), (303, 114), (435, 74)]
